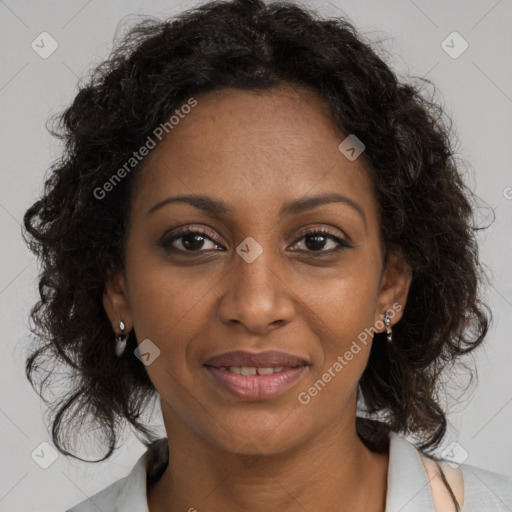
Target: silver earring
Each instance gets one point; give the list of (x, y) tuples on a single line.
[(121, 340), (389, 332)]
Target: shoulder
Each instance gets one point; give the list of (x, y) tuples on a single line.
[(129, 494), (486, 490), (106, 500), (474, 488), (415, 482)]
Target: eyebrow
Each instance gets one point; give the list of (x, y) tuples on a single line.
[(219, 208)]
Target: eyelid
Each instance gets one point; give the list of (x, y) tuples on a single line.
[(325, 230)]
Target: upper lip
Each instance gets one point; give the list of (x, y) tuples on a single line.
[(240, 358)]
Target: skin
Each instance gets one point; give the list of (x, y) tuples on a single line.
[(256, 151)]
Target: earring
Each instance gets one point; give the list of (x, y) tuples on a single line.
[(121, 340), (389, 332)]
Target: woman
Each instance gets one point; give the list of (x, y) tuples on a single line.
[(257, 223)]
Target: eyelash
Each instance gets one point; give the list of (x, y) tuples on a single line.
[(342, 244)]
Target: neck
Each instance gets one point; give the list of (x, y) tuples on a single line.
[(334, 470)]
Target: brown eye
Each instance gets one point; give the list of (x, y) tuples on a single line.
[(191, 240), (317, 239)]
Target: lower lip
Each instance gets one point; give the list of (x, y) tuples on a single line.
[(257, 387)]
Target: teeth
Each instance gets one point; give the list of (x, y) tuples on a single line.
[(246, 370), (265, 371)]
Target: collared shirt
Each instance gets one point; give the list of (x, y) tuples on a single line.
[(408, 488)]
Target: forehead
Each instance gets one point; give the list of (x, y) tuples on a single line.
[(254, 147)]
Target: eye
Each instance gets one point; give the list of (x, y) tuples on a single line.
[(190, 240), (317, 239)]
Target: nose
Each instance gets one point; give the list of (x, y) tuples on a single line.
[(256, 294)]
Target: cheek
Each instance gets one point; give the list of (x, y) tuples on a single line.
[(170, 318), (342, 323), (341, 316), (162, 296), (344, 300)]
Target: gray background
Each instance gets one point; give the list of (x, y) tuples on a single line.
[(475, 88)]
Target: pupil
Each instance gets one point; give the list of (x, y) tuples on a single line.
[(192, 246), (318, 243)]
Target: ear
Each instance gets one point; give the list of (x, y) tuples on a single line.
[(394, 286), (115, 301)]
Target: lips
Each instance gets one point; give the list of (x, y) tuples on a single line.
[(240, 359), (261, 376)]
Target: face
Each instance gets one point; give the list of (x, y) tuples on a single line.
[(254, 274)]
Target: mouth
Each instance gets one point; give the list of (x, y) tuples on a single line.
[(261, 376), (244, 359), (253, 370)]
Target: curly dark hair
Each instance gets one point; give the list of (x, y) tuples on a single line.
[(426, 210)]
